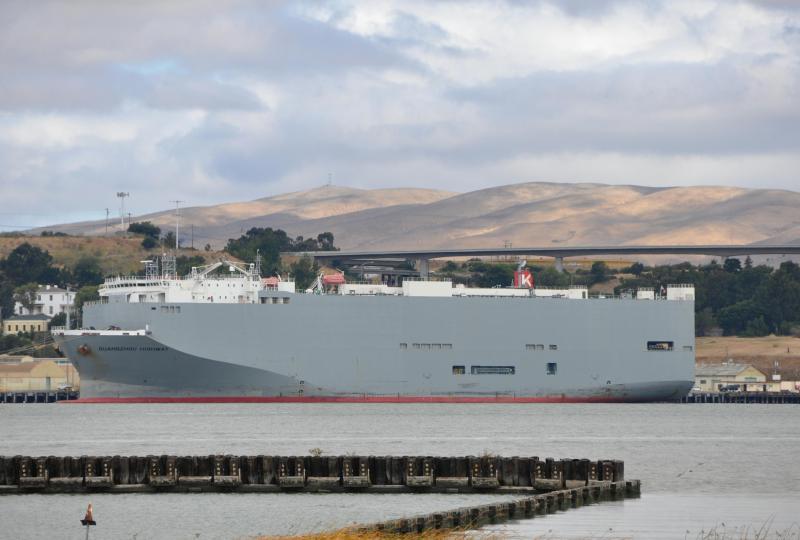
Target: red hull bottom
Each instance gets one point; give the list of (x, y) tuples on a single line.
[(350, 399)]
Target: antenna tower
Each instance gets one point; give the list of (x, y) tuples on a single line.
[(122, 195), (168, 266), (177, 222)]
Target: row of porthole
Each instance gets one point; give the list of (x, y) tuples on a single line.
[(427, 346)]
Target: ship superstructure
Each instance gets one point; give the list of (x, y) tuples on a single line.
[(237, 337)]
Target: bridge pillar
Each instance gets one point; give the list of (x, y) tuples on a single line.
[(560, 265), (422, 267)]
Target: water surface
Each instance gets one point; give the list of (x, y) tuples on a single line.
[(701, 465)]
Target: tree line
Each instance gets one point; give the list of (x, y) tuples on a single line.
[(738, 298)]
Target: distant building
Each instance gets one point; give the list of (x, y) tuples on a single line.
[(26, 374), (50, 301), (26, 323), (729, 376)]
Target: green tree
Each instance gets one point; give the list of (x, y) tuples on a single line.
[(305, 271), (85, 294), (184, 264), (26, 295), (6, 297), (550, 277), (732, 265), (148, 242), (325, 242), (735, 318), (636, 269), (756, 328), (168, 240), (704, 322), (495, 275), (268, 242), (27, 263), (59, 319), (87, 271), (145, 228), (449, 267), (599, 272)]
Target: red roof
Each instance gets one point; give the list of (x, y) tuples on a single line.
[(270, 281), (333, 279)]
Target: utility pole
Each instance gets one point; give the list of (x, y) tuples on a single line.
[(192, 235), (122, 195), (106, 221), (177, 222)]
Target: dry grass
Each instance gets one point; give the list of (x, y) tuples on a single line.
[(117, 255), (761, 352), (349, 534)]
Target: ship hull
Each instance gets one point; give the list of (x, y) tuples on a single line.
[(387, 349)]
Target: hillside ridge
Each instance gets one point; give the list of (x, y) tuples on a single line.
[(524, 214)]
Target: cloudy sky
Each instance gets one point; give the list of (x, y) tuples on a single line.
[(212, 101)]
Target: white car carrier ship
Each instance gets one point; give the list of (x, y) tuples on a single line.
[(238, 337)]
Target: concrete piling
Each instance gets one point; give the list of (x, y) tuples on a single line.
[(580, 479)]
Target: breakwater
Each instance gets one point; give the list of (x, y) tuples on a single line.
[(261, 473), (522, 508)]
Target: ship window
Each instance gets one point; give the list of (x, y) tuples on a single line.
[(702, 381), (660, 345), (426, 345), (416, 345), (687, 348), (404, 345), (285, 299), (437, 345), (164, 309), (448, 345), (459, 370), (177, 309), (492, 370), (153, 308), (553, 347), (552, 367)]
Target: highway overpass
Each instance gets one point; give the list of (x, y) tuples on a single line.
[(421, 257)]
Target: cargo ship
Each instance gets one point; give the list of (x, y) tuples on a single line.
[(224, 334)]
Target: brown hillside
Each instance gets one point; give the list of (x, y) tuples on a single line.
[(117, 255), (529, 214)]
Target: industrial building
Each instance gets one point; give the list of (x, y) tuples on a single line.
[(26, 323), (28, 374), (730, 376)]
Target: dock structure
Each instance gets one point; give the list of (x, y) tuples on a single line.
[(769, 398), (523, 508), (325, 474), (39, 396)]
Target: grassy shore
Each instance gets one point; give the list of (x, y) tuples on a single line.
[(116, 254), (760, 352)]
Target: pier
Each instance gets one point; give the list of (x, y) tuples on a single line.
[(770, 398), (325, 474), (523, 508), (39, 396)]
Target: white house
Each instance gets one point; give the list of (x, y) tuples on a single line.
[(50, 301)]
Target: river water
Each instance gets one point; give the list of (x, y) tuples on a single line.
[(708, 471)]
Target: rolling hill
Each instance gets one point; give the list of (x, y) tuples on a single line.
[(528, 214)]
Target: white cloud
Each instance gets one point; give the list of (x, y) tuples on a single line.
[(210, 101)]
